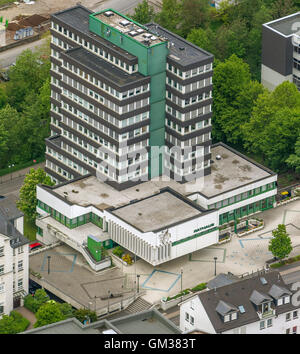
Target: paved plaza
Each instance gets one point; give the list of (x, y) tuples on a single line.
[(239, 256)]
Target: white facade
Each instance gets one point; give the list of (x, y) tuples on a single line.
[(271, 78), (14, 269), (193, 315), (146, 245)]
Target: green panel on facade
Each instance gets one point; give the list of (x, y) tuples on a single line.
[(152, 61), (95, 247), (157, 114)]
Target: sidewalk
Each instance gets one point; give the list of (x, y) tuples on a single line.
[(27, 314), (20, 173)]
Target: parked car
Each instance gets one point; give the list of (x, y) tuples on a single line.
[(35, 245)]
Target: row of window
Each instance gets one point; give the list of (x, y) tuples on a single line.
[(190, 128), (190, 87), (20, 266), (189, 101), (109, 132), (186, 170), (118, 109), (189, 142), (189, 115), (94, 49), (242, 196), (103, 86), (60, 171), (185, 154), (102, 114), (189, 73)]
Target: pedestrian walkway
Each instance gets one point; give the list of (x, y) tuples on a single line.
[(20, 173), (27, 314)]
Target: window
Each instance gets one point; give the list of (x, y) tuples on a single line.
[(1, 269), (187, 316), (1, 287), (288, 317), (262, 325), (192, 305), (2, 251), (295, 330), (192, 320), (295, 314), (226, 318), (269, 322), (20, 284), (1, 308), (20, 266)]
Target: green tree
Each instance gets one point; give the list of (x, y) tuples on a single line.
[(28, 75), (3, 143), (143, 13), (281, 8), (49, 312), (170, 15), (274, 125), (203, 38), (194, 14), (232, 106), (280, 245), (294, 159), (13, 324), (27, 201), (82, 314), (67, 310)]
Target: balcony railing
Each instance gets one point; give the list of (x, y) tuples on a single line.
[(266, 314)]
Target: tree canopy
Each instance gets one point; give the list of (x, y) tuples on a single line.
[(280, 245)]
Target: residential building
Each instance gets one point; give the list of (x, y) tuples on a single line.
[(262, 304), (146, 322), (281, 51), (13, 257), (118, 87)]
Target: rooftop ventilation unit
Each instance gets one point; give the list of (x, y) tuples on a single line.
[(147, 35), (124, 23), (133, 33), (108, 13), (218, 157), (140, 30), (153, 38), (146, 41)]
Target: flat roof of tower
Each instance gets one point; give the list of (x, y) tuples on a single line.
[(180, 50), (77, 17), (128, 26), (102, 67), (158, 211), (287, 25)]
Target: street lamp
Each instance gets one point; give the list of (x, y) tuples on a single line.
[(108, 292), (215, 258), (138, 283), (181, 272), (49, 257)]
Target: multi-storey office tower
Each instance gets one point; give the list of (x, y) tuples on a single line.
[(118, 89)]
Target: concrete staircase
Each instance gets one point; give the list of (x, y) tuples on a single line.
[(138, 305)]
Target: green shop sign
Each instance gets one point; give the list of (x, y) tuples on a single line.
[(204, 227)]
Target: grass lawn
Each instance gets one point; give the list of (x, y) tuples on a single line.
[(30, 229)]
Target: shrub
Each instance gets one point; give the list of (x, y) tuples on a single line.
[(14, 323), (82, 314), (127, 258), (118, 251), (199, 287), (33, 303)]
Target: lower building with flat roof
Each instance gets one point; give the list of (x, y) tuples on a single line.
[(146, 322), (160, 219)]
